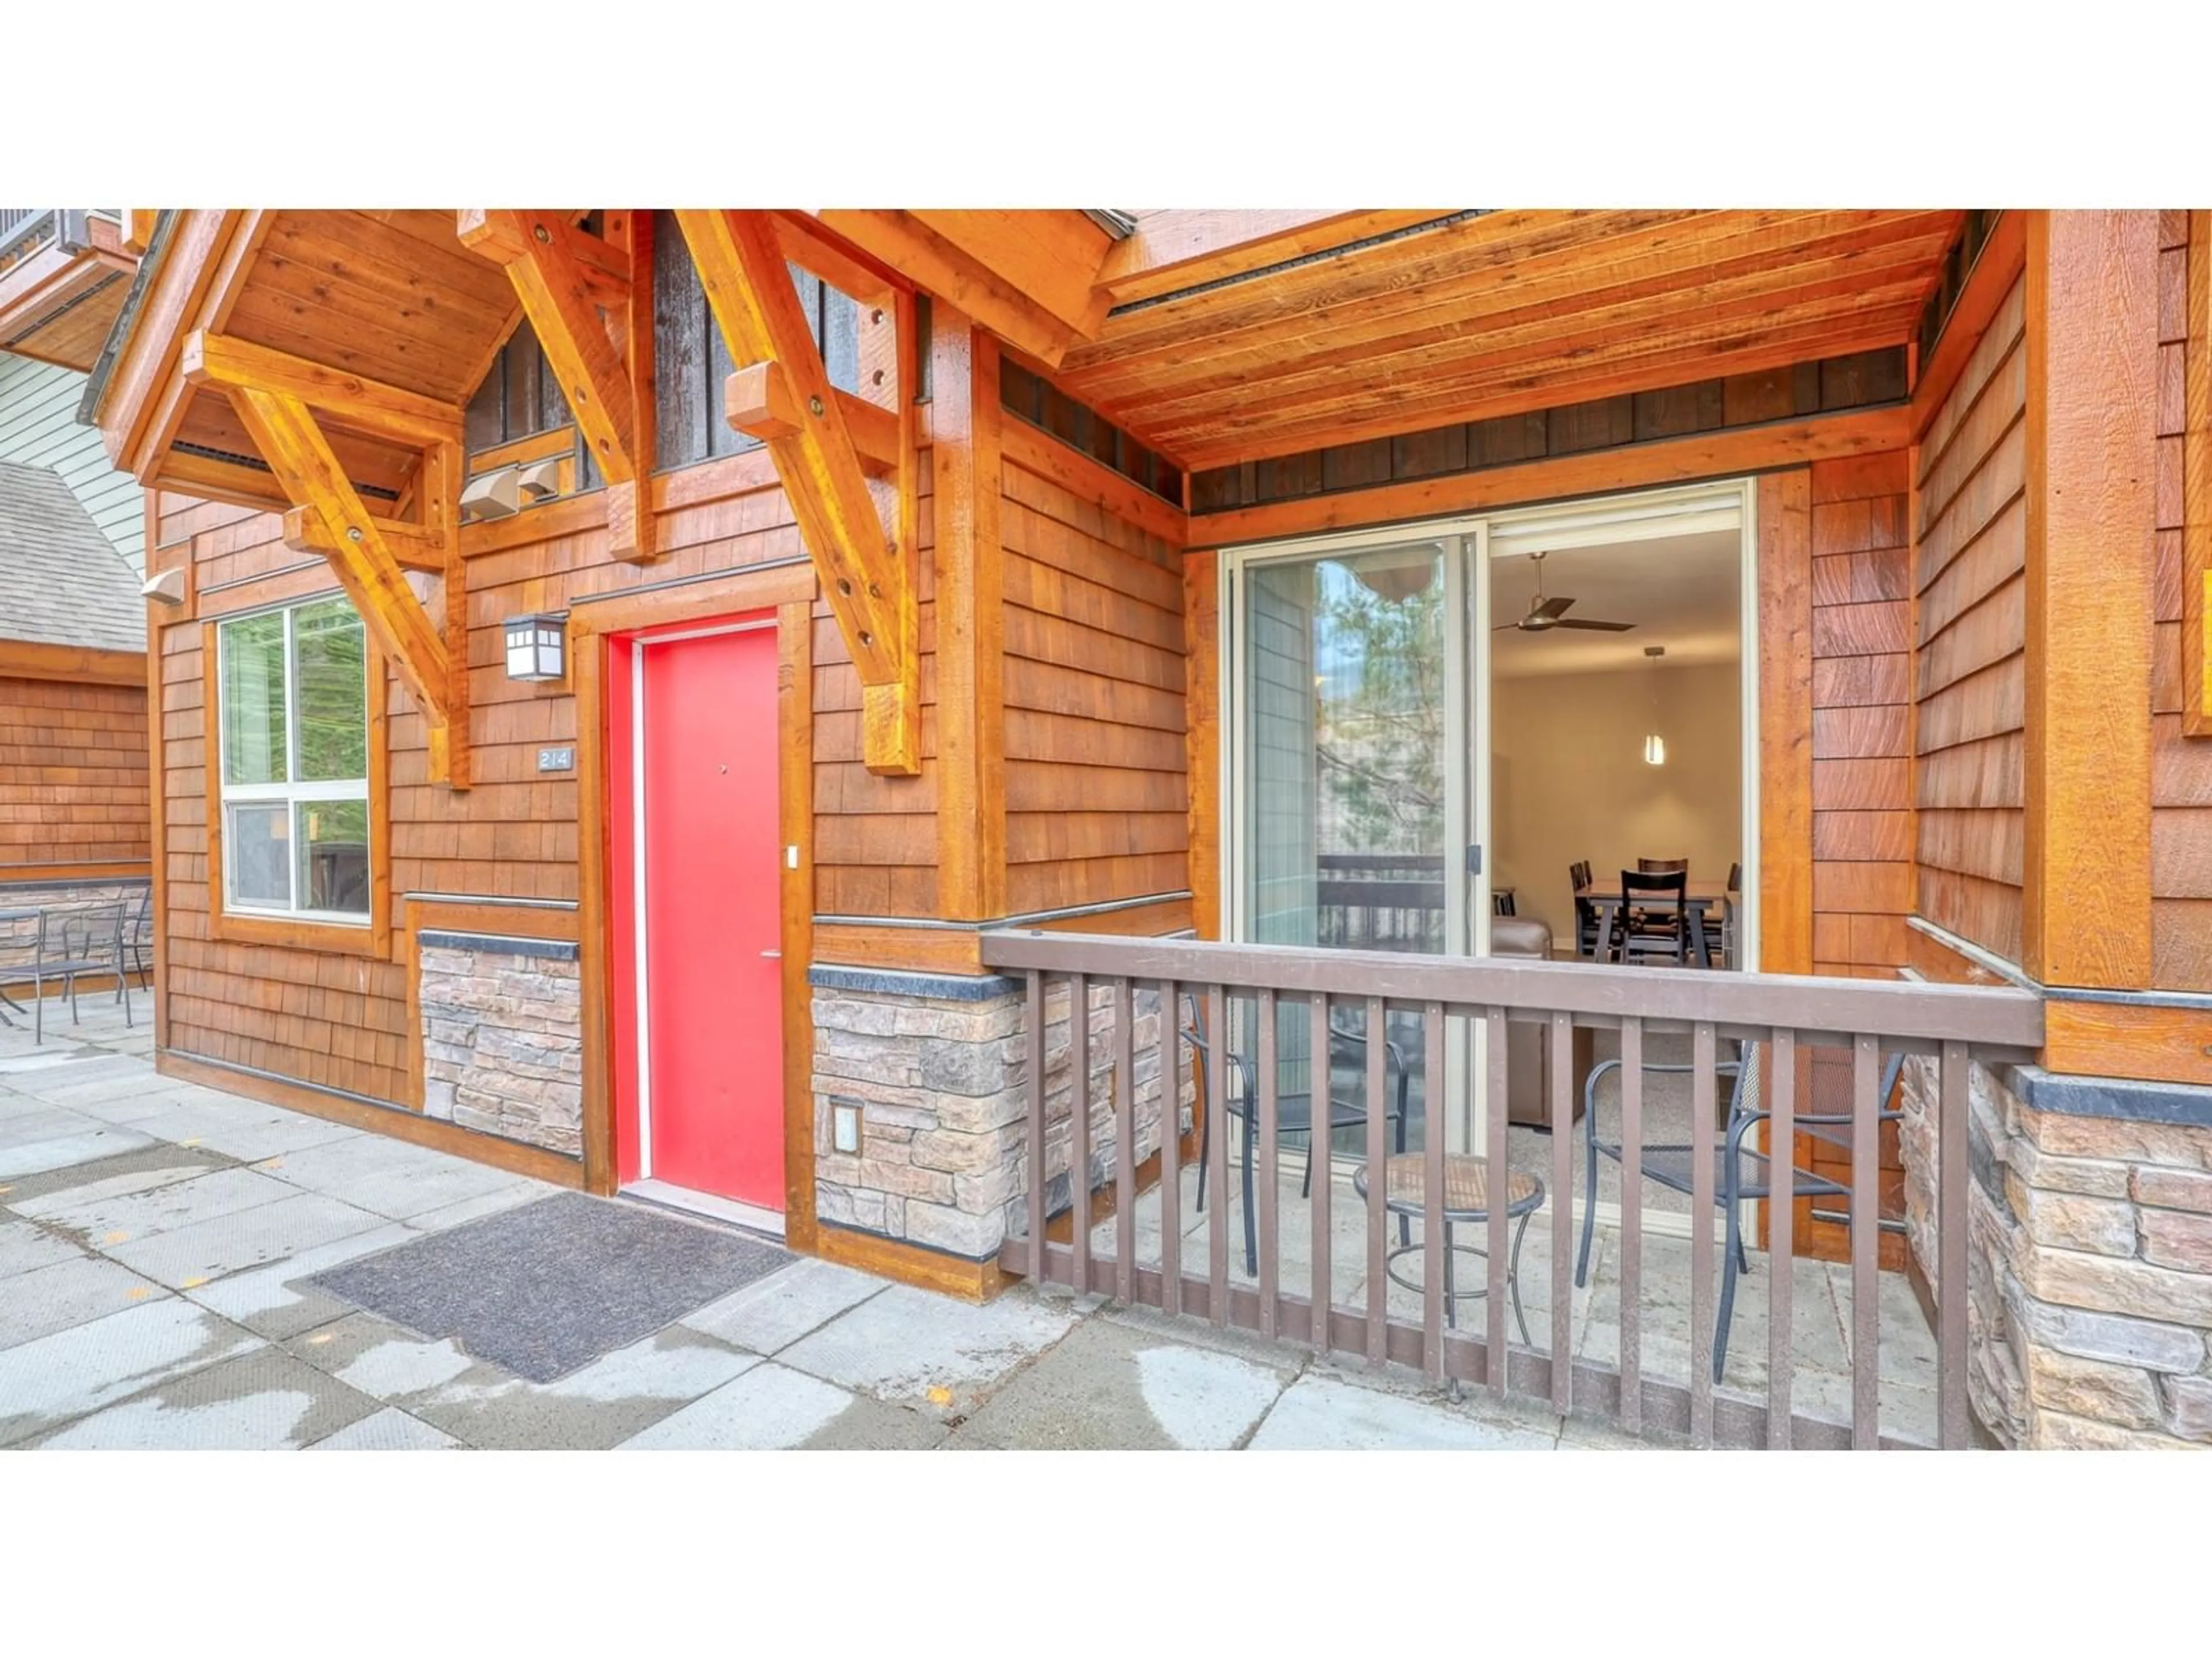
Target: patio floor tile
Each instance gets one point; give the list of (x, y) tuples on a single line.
[(391, 1177), (1321, 1414), (107, 1217), (25, 1246), (46, 1383), (72, 1292), (62, 1152), (773, 1313), (604, 1404), (249, 1239), (1110, 1385), (274, 1301), (912, 1347), (772, 1408), (262, 1401), (388, 1430)]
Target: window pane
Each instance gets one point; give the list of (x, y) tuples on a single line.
[(334, 843), (256, 849), (253, 699), (331, 646)]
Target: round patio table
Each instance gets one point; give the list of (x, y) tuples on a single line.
[(1467, 1198)]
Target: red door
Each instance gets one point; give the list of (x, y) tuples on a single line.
[(712, 1086)]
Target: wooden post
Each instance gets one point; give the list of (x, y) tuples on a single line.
[(2091, 459), (969, 563)]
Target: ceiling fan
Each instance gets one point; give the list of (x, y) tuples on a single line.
[(1544, 614)]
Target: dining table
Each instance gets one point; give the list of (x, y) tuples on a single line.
[(1702, 897)]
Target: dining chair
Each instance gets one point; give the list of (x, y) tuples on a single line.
[(1586, 924), (1294, 1113), (1660, 866), (65, 945), (1644, 931), (1720, 931), (1743, 1172)]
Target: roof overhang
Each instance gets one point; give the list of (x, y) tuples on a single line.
[(63, 277)]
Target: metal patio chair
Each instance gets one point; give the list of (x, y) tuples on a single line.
[(138, 941), (1294, 1113), (1741, 1171), (65, 946)]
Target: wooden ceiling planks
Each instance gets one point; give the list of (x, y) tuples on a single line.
[(1499, 312)]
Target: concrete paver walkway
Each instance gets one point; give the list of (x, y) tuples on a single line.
[(155, 1236)]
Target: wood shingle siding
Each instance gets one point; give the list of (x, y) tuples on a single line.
[(72, 774), (1098, 771), (1968, 652)]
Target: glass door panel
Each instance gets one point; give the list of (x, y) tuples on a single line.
[(1348, 763)]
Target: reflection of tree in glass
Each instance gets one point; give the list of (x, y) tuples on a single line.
[(1379, 727), (329, 651), (253, 699)]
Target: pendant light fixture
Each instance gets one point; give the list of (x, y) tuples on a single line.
[(1655, 746)]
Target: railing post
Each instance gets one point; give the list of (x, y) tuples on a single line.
[(1319, 1161), (1217, 1117), (1702, 1119), (1378, 1277), (1953, 1179), (1432, 1190), (1498, 1351), (1034, 1018), (1781, 1236), (1563, 1210), (1866, 1240), (1125, 1141), (1270, 1183), (1631, 1224), (1079, 1132), (1171, 1075)]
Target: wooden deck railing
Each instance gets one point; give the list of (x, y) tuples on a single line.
[(1787, 1015)]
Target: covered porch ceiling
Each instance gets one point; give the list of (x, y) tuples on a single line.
[(1211, 335)]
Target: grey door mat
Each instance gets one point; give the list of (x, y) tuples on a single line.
[(546, 1288)]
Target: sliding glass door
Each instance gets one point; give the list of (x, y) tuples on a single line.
[(1349, 782)]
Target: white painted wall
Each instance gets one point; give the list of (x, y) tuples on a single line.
[(38, 428)]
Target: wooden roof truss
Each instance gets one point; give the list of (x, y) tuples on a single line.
[(782, 395), (278, 397)]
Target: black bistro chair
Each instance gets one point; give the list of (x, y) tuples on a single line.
[(65, 946), (1294, 1113), (1740, 1171), (1587, 942), (1647, 927)]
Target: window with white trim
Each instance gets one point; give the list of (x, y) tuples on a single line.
[(293, 714)]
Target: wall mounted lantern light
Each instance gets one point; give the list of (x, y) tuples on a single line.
[(537, 647)]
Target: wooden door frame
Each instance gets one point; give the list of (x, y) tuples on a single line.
[(788, 587)]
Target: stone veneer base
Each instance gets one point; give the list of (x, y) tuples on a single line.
[(2089, 1253)]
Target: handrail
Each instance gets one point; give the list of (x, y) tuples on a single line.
[(1991, 1018)]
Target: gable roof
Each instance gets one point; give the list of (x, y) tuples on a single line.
[(61, 581)]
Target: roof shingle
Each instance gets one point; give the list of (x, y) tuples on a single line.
[(61, 581)]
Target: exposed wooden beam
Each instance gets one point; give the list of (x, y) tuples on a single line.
[(756, 398), (344, 397), (865, 575), (575, 289), (809, 244), (929, 260), (2091, 464), (1667, 460), (1181, 247), (369, 569), (413, 546), (1050, 255), (26, 660)]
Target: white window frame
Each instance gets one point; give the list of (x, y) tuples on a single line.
[(291, 794)]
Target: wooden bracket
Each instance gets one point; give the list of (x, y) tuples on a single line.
[(335, 521), (785, 392), (577, 291)]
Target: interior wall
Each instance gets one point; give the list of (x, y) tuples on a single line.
[(1568, 780)]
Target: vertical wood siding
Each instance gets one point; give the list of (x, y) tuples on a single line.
[(2181, 766), (1969, 661), (72, 773), (1098, 770)]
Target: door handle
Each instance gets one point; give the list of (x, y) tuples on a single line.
[(774, 956)]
